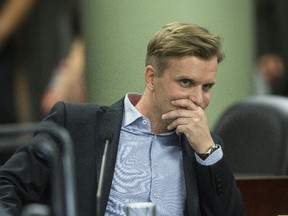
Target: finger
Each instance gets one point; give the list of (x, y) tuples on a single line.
[(176, 114), (178, 122), (185, 103)]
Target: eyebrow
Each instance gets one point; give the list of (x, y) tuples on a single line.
[(213, 82)]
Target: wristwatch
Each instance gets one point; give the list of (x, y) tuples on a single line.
[(209, 151)]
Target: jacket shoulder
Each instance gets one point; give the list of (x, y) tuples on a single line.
[(66, 112)]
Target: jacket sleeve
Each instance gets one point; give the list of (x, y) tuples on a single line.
[(218, 192)]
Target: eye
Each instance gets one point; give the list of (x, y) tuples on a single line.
[(208, 86), (185, 83)]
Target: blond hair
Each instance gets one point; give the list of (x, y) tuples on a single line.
[(182, 39)]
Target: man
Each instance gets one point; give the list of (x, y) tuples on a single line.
[(160, 147)]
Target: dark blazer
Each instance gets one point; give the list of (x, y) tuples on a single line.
[(211, 190)]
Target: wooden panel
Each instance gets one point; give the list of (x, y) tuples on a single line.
[(264, 196)]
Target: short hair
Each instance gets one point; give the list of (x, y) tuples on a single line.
[(179, 40)]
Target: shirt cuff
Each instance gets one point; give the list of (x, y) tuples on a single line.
[(211, 159)]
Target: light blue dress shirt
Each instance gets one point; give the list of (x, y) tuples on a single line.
[(149, 167)]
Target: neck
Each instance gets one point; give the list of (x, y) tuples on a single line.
[(146, 107)]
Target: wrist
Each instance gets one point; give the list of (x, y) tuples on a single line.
[(210, 150)]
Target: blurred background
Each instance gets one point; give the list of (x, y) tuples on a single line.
[(94, 51)]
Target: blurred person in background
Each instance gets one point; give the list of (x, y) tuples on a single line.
[(272, 47), (12, 15), (270, 74), (49, 35), (68, 81), (50, 38)]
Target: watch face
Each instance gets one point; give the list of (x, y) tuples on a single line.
[(212, 149), (209, 151)]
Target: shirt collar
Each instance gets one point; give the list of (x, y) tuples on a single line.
[(130, 112)]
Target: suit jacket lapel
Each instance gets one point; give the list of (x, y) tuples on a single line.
[(110, 122), (192, 196)]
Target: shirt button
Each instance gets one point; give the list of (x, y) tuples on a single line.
[(144, 122), (156, 195)]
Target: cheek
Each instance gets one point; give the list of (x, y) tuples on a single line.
[(164, 99), (206, 101), (168, 91), (175, 92)]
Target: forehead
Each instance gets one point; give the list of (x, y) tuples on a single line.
[(191, 66)]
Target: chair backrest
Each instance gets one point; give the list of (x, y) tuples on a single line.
[(255, 135), (51, 143)]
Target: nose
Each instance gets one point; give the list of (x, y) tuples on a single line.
[(196, 95)]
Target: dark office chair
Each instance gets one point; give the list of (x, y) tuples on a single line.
[(5, 154), (255, 135), (63, 190)]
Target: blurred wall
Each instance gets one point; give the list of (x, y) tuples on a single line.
[(117, 32)]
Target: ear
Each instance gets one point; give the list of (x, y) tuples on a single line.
[(149, 77)]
